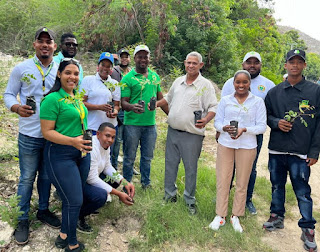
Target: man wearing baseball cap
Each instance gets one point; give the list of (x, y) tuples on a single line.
[(259, 86), (293, 116), (141, 84), (31, 79), (100, 89)]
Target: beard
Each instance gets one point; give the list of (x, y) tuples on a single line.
[(44, 56), (123, 66), (67, 55), (255, 75)]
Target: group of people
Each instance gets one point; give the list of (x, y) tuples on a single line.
[(119, 103)]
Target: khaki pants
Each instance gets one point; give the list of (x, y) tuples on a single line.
[(243, 159)]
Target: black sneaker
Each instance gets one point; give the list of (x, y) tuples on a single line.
[(250, 207), (21, 233), (84, 227), (192, 209), (172, 199), (60, 243), (307, 237), (46, 217), (78, 249), (146, 187), (274, 222)]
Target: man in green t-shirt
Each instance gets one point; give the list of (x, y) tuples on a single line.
[(142, 85)]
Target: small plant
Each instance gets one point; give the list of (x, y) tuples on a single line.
[(115, 177), (112, 86), (11, 212), (26, 78), (304, 107)]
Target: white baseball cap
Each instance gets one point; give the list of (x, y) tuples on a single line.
[(252, 55), (141, 48)]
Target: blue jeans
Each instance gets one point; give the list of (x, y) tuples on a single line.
[(68, 172), (132, 136), (93, 198), (31, 162), (116, 147), (299, 171), (253, 175)]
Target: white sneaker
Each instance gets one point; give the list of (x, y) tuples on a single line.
[(120, 159), (109, 198), (217, 222), (236, 224)]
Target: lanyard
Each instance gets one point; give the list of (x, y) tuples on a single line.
[(81, 113), (44, 75)]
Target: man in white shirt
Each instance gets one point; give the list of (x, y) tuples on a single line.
[(188, 94), (259, 86), (96, 190)]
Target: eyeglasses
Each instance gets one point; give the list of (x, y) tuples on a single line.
[(70, 59), (69, 44)]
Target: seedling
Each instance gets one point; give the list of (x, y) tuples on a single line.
[(304, 110)]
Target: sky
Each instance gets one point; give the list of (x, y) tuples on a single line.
[(303, 15)]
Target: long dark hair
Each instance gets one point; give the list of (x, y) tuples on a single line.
[(63, 64)]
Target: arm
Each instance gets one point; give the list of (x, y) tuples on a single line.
[(127, 106), (163, 105), (260, 119), (90, 106), (227, 88), (49, 133)]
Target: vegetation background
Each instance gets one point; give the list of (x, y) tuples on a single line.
[(221, 30)]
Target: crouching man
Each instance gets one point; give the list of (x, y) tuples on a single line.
[(96, 190)]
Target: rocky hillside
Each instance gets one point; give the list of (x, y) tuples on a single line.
[(313, 44)]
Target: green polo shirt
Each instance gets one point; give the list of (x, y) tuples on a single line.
[(66, 115), (139, 87)]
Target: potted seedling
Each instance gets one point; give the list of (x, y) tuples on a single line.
[(235, 123), (112, 87), (304, 110), (30, 99), (198, 113)]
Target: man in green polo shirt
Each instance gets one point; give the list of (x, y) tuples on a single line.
[(141, 86)]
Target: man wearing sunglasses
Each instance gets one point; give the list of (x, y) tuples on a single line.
[(68, 48)]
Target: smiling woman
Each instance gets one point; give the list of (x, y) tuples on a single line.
[(63, 122)]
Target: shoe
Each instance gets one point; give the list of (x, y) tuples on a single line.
[(307, 237), (192, 209), (45, 216), (236, 224), (120, 159), (21, 233), (135, 172), (60, 243), (217, 222), (274, 222), (95, 213), (172, 199), (84, 227), (251, 208), (78, 249), (109, 198), (145, 187)]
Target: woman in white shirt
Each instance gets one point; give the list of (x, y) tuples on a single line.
[(236, 145)]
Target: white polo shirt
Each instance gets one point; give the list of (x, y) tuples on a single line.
[(98, 93)]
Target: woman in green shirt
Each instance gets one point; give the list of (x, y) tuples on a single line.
[(63, 122)]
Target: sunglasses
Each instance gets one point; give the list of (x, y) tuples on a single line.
[(70, 59), (69, 44)]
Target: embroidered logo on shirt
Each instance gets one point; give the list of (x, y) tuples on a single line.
[(261, 88)]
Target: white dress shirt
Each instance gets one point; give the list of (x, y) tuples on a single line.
[(250, 115), (100, 162)]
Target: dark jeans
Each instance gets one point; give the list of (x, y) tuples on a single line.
[(31, 163), (94, 197), (116, 146), (299, 172), (253, 176), (68, 173), (132, 136)]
